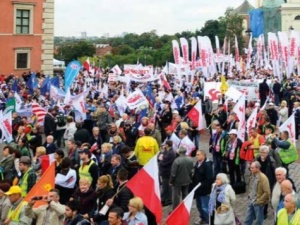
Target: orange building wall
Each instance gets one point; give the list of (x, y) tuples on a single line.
[(9, 41)]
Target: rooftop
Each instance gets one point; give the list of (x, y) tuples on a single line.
[(244, 8)]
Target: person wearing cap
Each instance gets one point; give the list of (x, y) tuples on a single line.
[(232, 156), (181, 176), (28, 177), (273, 114), (171, 136), (146, 147), (4, 202), (88, 168), (50, 213), (16, 214)]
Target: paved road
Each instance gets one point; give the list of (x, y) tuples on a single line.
[(240, 205)]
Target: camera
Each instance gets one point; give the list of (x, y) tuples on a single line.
[(37, 198)]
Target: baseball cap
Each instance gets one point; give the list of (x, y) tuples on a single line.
[(13, 190), (233, 131), (25, 160)]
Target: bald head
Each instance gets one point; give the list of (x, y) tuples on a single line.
[(151, 126), (286, 187)]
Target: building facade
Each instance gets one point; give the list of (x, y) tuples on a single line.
[(290, 15), (26, 36)]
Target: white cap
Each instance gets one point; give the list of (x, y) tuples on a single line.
[(175, 112), (233, 131)]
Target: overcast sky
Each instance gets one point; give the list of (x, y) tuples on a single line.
[(97, 17)]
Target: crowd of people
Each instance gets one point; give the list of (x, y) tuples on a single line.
[(96, 157)]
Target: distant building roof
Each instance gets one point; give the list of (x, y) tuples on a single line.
[(102, 45), (244, 8)]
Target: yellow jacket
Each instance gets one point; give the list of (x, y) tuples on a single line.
[(283, 218), (145, 148)]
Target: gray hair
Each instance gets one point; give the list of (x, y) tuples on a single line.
[(256, 164), (281, 169), (223, 177), (182, 150), (294, 199), (264, 148)]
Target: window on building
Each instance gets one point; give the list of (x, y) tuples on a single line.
[(22, 21), (22, 58)]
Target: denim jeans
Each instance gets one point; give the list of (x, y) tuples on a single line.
[(218, 164), (202, 205), (277, 99), (254, 212), (196, 140)]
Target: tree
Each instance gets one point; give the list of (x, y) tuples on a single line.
[(75, 51)]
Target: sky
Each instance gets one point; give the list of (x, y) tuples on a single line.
[(97, 17)]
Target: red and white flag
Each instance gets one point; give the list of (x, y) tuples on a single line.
[(194, 52), (195, 115), (116, 70), (289, 125), (147, 179), (6, 125), (136, 99), (87, 64), (181, 215), (39, 112), (176, 52), (251, 122), (185, 50), (239, 110), (46, 161)]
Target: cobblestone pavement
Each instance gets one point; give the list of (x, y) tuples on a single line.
[(240, 205)]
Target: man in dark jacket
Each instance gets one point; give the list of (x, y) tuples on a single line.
[(50, 122), (276, 91), (181, 176), (263, 92), (273, 114), (124, 194), (81, 134), (166, 159), (203, 173), (207, 108), (72, 215)]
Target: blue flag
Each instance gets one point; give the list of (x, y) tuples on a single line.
[(149, 95), (55, 81), (45, 86), (71, 73), (256, 22), (15, 86), (32, 83), (143, 113)]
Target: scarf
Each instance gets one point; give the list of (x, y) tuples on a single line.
[(213, 197)]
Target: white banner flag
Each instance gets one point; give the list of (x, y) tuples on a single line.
[(289, 125), (136, 99), (239, 109)]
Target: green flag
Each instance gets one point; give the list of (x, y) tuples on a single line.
[(10, 105)]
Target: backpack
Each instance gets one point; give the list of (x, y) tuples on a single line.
[(61, 120)]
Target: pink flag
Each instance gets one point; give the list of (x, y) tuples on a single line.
[(181, 215), (145, 184), (289, 125), (195, 115)]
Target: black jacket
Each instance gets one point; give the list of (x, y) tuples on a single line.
[(51, 148), (122, 198), (263, 89), (78, 220), (82, 135), (103, 195), (49, 125), (165, 165), (203, 174)]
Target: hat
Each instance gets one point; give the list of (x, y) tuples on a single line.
[(175, 112), (25, 160), (4, 187), (271, 104), (13, 190), (233, 131), (85, 150)]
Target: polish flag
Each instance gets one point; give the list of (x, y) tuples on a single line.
[(165, 81), (39, 112), (87, 64), (147, 179), (289, 125), (46, 161), (181, 215), (195, 115)]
